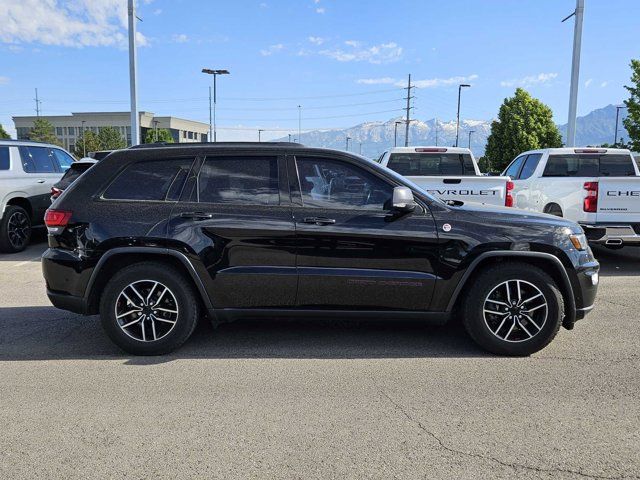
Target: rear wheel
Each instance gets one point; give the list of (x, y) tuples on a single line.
[(148, 309), (15, 229), (553, 209), (513, 309)]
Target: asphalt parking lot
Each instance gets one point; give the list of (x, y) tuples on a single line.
[(317, 399)]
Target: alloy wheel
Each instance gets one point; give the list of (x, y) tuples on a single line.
[(18, 228), (146, 310), (515, 311)]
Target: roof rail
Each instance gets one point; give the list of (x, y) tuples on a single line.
[(216, 144), (24, 140)]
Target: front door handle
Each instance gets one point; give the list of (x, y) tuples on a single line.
[(41, 181), (196, 215), (319, 220)]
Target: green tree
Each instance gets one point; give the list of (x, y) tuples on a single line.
[(484, 165), (42, 131), (110, 138), (3, 133), (524, 123), (86, 143), (163, 135), (632, 122)]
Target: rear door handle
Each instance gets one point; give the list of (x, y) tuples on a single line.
[(319, 220), (41, 180), (196, 215)]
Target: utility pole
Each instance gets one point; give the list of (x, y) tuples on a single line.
[(615, 136), (133, 76), (210, 121), (299, 121), (575, 72), (460, 87), (38, 102), (260, 130), (289, 137), (348, 138), (469, 144), (409, 97)]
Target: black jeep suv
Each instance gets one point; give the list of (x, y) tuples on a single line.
[(152, 237)]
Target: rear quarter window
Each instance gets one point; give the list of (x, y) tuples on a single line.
[(157, 180)]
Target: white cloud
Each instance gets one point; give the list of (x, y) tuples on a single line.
[(529, 80), (604, 84), (263, 5), (81, 23), (427, 83), (272, 49), (320, 10), (353, 43), (316, 40), (376, 81), (157, 11), (179, 38), (4, 80), (588, 82), (377, 54)]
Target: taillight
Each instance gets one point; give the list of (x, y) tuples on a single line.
[(590, 204), (55, 192), (57, 218), (508, 198)]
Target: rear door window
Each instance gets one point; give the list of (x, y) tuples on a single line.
[(529, 166), (158, 180), (239, 180), (37, 160), (4, 158), (431, 164)]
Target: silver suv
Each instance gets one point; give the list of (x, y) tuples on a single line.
[(28, 170)]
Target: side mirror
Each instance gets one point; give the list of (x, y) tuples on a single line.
[(403, 200)]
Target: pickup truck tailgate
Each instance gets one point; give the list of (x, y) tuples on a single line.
[(618, 199), (487, 190)]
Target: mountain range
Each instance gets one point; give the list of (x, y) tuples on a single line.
[(373, 138)]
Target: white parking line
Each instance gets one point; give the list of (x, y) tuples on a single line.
[(26, 262)]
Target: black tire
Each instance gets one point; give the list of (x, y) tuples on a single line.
[(553, 209), (15, 229), (181, 298), (490, 282)]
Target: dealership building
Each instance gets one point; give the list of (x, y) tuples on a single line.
[(68, 128)]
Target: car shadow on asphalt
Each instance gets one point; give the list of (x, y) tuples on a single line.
[(46, 333), (622, 262)]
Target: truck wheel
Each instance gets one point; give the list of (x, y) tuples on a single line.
[(553, 209), (513, 309), (148, 308), (15, 229)]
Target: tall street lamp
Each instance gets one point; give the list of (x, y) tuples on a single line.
[(84, 141), (460, 87), (469, 145), (215, 73), (395, 133), (615, 136), (348, 138), (299, 122), (260, 130)]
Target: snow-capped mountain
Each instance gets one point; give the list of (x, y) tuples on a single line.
[(376, 137), (594, 128)]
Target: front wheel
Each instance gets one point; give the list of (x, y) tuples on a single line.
[(513, 309), (148, 309)]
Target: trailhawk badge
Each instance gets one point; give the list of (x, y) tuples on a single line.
[(446, 227)]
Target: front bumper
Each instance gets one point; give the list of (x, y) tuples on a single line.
[(612, 234), (68, 302)]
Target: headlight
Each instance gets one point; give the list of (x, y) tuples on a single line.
[(579, 241)]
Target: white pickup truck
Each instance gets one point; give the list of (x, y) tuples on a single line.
[(449, 173), (599, 188)]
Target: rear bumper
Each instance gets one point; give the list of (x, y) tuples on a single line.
[(612, 234)]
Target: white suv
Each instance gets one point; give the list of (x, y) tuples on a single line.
[(599, 188), (28, 170)]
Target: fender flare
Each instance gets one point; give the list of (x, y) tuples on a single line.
[(159, 251), (565, 287), (10, 196)]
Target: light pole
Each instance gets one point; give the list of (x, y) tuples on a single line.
[(260, 130), (348, 138), (360, 148), (469, 145), (460, 87), (155, 130), (575, 72), (395, 134), (84, 141), (436, 132), (615, 136), (289, 137), (133, 76), (215, 73), (299, 121)]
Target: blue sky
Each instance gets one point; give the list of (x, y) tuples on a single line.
[(343, 61)]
